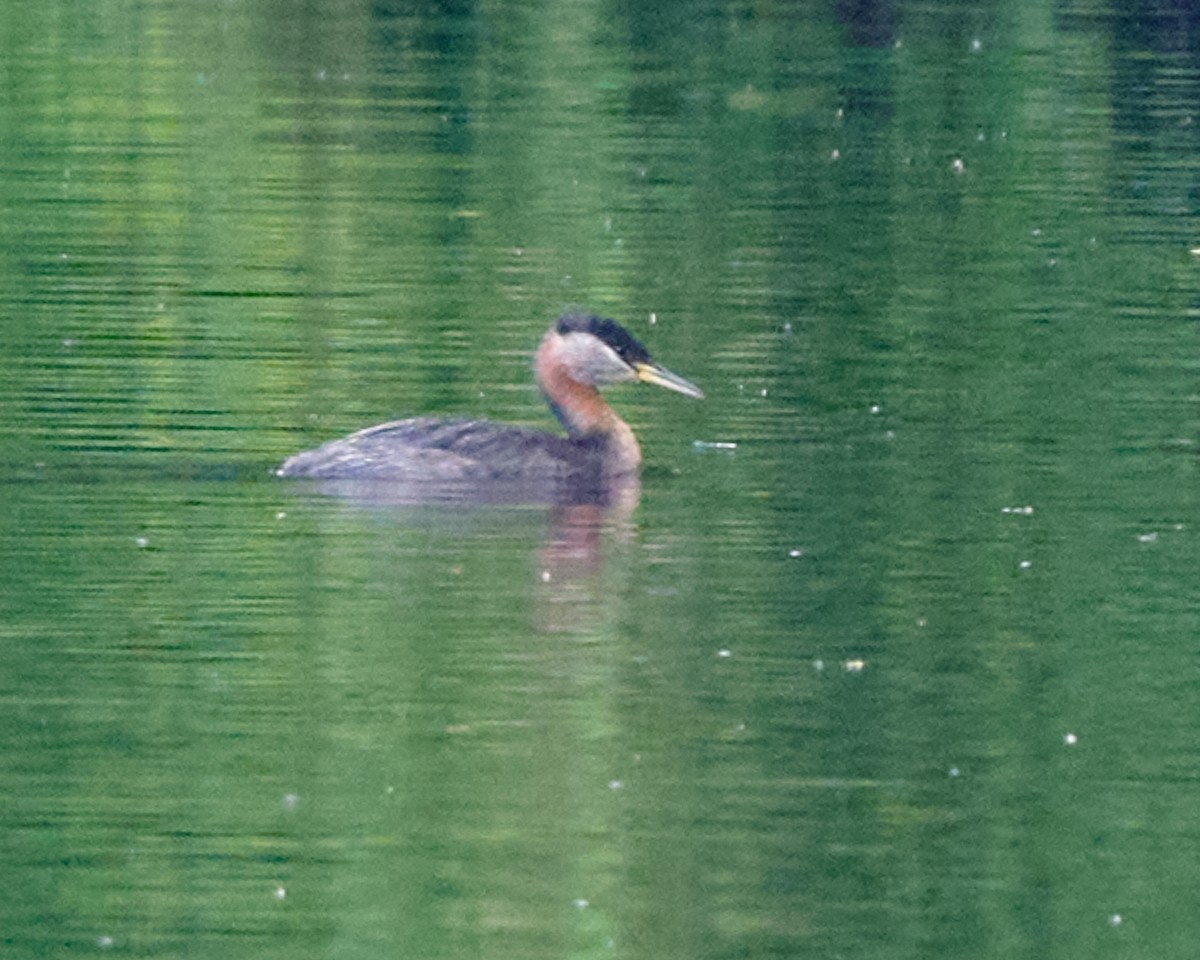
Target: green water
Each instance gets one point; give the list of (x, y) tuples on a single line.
[(911, 672)]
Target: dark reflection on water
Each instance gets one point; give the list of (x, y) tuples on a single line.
[(904, 672)]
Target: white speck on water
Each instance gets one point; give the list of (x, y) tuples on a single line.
[(581, 904), (1070, 739), (976, 45), (141, 542), (291, 801), (1025, 511), (1114, 920), (104, 942), (854, 666), (713, 445), (795, 552), (1147, 537), (723, 652), (1025, 564), (954, 771), (835, 155), (653, 319), (875, 408), (818, 665), (921, 622), (615, 784), (889, 435), (958, 166), (280, 514), (763, 393), (280, 892), (545, 576)]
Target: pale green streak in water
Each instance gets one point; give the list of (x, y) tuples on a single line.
[(814, 697)]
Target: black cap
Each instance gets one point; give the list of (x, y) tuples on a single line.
[(626, 345)]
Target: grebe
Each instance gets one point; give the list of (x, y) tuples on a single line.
[(578, 353)]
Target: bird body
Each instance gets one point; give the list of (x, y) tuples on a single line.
[(577, 355)]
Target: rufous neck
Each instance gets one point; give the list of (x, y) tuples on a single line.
[(580, 408)]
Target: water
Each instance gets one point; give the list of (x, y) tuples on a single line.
[(908, 671)]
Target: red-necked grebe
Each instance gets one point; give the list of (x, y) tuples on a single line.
[(578, 353)]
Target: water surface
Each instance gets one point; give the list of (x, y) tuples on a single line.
[(908, 671)]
